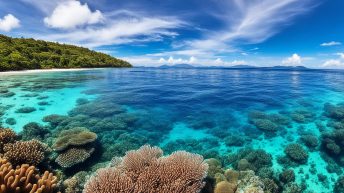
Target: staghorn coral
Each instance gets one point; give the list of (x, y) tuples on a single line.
[(25, 152), (6, 136), (77, 136), (73, 156), (146, 171), (25, 179)]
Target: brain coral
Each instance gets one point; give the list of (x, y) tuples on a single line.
[(74, 137), (146, 170), (73, 156), (24, 179), (6, 136), (25, 152)]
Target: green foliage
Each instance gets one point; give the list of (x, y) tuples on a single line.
[(23, 54)]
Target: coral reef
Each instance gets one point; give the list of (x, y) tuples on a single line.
[(34, 131), (73, 156), (25, 179), (296, 153), (6, 136), (78, 136), (74, 146), (250, 159), (25, 152), (145, 170)]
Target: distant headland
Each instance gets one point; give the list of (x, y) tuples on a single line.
[(28, 54)]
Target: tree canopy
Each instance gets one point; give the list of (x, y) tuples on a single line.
[(24, 54)]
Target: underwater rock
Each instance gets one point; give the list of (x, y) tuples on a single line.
[(152, 173), (25, 179), (73, 156), (26, 110), (34, 131), (11, 121), (296, 153), (25, 152), (78, 136), (6, 136)]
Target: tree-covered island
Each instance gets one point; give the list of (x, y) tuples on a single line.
[(25, 54)]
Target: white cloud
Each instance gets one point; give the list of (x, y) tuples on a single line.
[(122, 31), (295, 59), (341, 55), (8, 23), (332, 43), (72, 14), (251, 21), (333, 64)]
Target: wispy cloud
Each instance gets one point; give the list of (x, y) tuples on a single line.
[(332, 43), (122, 27), (248, 21)]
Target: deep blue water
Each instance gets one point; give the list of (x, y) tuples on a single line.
[(206, 111)]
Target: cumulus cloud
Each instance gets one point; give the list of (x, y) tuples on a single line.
[(72, 14), (9, 22), (294, 60), (332, 43)]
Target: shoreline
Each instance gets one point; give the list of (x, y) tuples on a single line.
[(45, 70)]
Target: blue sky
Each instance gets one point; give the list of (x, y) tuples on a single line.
[(206, 33)]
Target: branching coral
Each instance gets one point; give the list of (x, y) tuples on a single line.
[(74, 137), (6, 136), (25, 179), (25, 152), (146, 171)]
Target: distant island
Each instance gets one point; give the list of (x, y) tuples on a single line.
[(28, 54), (236, 67)]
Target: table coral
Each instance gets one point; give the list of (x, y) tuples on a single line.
[(74, 137)]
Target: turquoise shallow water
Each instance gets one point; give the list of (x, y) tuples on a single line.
[(213, 112)]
